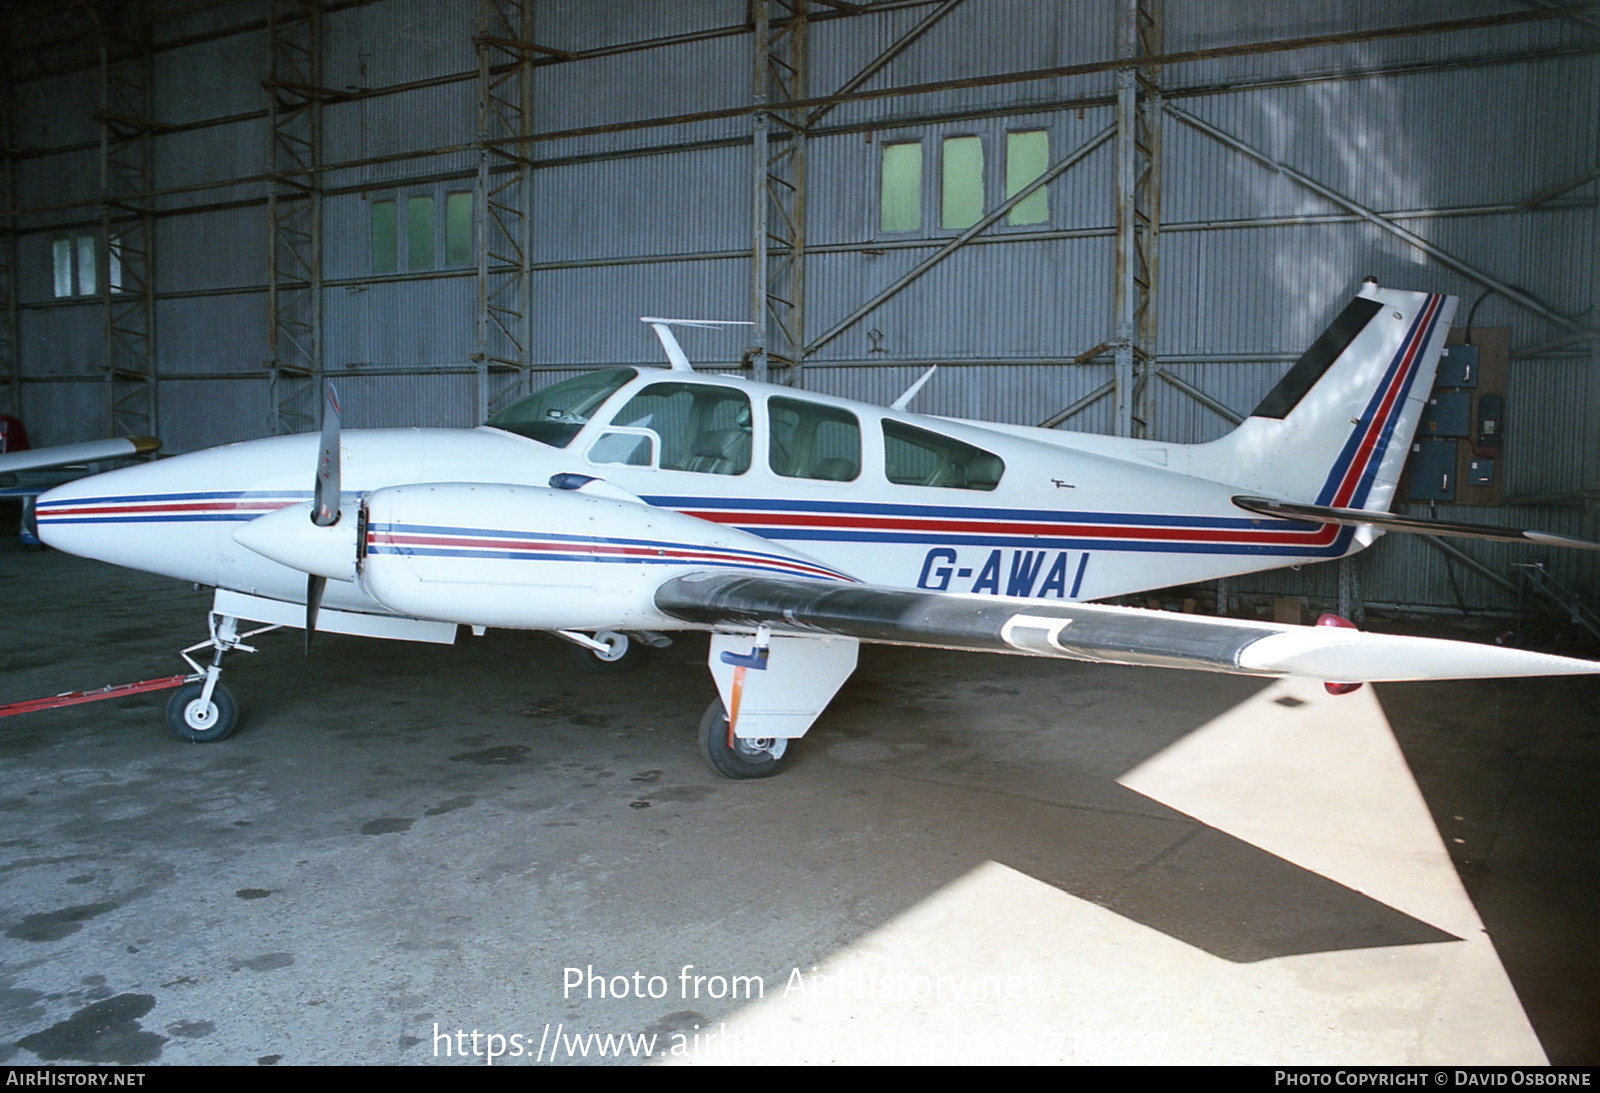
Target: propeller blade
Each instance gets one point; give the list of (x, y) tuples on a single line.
[(314, 587), (325, 499)]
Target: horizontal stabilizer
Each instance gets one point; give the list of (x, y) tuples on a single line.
[(1389, 521), (1092, 632)]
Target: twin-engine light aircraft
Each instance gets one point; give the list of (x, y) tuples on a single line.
[(622, 503)]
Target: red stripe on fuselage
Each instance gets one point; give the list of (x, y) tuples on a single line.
[(1320, 537), (383, 538)]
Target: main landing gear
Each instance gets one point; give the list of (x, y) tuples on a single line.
[(734, 757)]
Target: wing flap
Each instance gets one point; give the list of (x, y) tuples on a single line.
[(1089, 632)]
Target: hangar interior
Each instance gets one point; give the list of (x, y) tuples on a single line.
[(1111, 216), (1119, 216)]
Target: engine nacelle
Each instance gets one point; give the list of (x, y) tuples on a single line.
[(528, 557)]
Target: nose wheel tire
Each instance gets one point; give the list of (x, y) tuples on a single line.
[(202, 722), (758, 758)]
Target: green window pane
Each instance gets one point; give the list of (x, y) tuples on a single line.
[(86, 265), (1027, 156), (900, 198), (383, 238), (419, 233), (61, 259), (962, 177), (458, 229)]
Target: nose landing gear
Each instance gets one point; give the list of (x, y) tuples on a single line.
[(203, 711)]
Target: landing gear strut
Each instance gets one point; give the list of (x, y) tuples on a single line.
[(203, 711)]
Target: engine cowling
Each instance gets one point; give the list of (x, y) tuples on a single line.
[(529, 557)]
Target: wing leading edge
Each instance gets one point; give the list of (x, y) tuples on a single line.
[(1088, 632)]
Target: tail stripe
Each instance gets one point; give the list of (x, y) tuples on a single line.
[(1352, 474)]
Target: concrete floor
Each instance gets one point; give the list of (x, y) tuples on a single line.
[(972, 859)]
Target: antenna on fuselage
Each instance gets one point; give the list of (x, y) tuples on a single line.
[(911, 392), (676, 358)]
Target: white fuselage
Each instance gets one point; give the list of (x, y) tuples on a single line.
[(1058, 523)]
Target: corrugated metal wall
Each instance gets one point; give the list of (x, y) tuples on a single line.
[(1448, 135)]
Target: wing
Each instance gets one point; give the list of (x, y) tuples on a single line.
[(1389, 521), (91, 451), (1091, 632)]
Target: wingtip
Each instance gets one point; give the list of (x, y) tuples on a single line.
[(1331, 653)]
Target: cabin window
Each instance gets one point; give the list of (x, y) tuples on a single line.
[(917, 457), (813, 441), (631, 447), (554, 416), (697, 427)]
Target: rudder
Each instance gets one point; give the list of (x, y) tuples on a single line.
[(1336, 428)]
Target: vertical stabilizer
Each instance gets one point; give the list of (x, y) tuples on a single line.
[(1336, 428)]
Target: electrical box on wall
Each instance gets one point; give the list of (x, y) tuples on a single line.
[(1491, 425), (1448, 414), (1458, 452), (1433, 471), (1458, 367)]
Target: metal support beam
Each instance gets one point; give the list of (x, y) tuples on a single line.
[(878, 63), (778, 150), (10, 347), (1050, 174), (294, 214), (1349, 604), (1550, 193), (124, 259), (1466, 269), (502, 239), (1138, 211), (1084, 69), (1221, 409), (1082, 404), (1170, 92), (779, 137)]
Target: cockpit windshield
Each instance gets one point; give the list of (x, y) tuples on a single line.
[(554, 416)]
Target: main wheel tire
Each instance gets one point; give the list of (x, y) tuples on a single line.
[(202, 722), (624, 654), (745, 758)]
